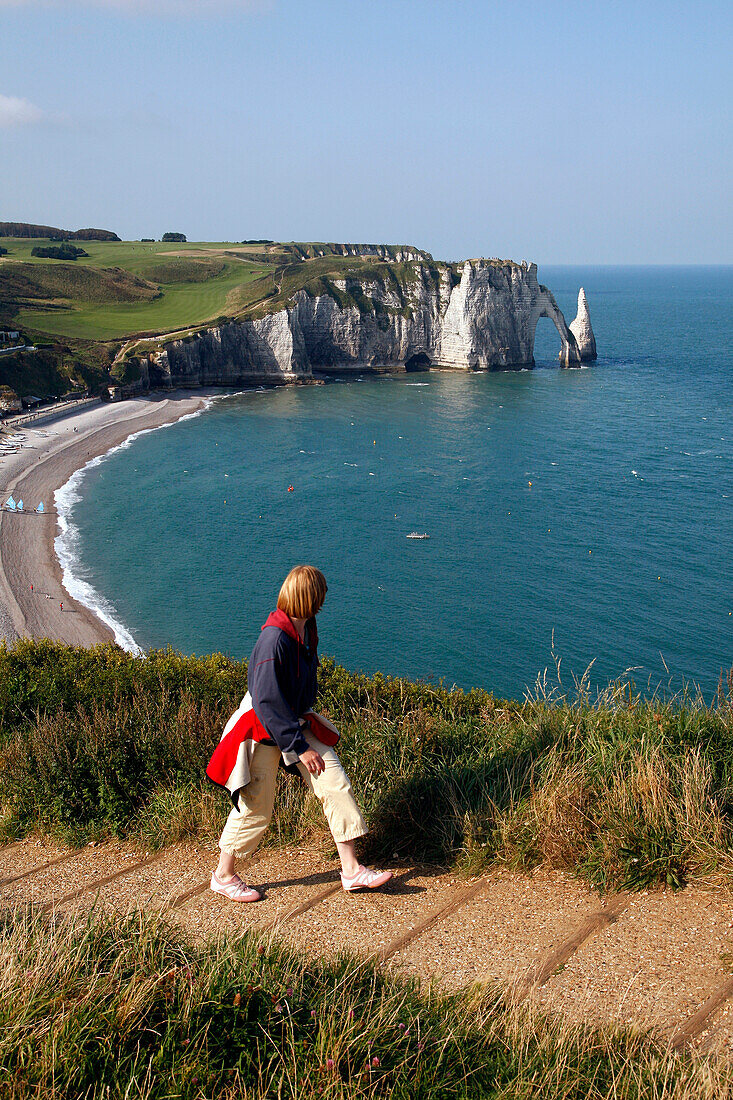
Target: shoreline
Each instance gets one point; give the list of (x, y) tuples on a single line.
[(49, 457)]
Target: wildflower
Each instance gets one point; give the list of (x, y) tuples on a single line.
[(186, 1042), (401, 1027), (313, 1012), (351, 1014), (330, 1063), (278, 1008), (260, 950), (289, 991), (421, 1046), (194, 1080), (375, 1061), (237, 1000)]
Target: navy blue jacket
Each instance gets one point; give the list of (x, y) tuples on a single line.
[(283, 680)]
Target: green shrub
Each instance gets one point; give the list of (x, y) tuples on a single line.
[(63, 251)]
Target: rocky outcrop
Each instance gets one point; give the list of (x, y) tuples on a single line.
[(582, 330), (479, 315)]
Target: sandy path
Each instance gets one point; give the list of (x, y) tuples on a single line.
[(52, 451)]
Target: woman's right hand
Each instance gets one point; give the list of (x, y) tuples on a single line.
[(313, 761)]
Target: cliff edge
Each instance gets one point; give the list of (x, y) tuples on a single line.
[(387, 314)]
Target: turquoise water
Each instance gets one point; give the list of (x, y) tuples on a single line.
[(621, 545)]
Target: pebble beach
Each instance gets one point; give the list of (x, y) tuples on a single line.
[(33, 600)]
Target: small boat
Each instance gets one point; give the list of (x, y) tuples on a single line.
[(417, 535)]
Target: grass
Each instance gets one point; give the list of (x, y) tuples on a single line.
[(622, 791), (125, 1006), (186, 285)]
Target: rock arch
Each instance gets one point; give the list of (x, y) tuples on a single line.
[(546, 306)]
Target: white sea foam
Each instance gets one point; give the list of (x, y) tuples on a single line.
[(74, 574)]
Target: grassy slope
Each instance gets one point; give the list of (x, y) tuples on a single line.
[(92, 742), (181, 302), (625, 792)]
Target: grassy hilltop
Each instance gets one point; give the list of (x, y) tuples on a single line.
[(79, 313)]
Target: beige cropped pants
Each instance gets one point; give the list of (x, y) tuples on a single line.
[(245, 827)]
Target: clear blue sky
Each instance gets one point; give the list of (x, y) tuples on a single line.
[(564, 132)]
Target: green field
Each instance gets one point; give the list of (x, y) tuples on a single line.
[(193, 283)]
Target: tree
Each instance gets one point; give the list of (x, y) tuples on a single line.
[(175, 237)]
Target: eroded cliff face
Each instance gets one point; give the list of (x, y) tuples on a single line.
[(479, 316)]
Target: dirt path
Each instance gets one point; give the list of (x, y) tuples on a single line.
[(658, 960)]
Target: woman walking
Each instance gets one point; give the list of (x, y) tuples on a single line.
[(275, 722)]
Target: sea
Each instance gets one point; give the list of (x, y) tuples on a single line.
[(580, 521)]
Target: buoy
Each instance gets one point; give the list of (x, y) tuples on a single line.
[(530, 484), (374, 442), (291, 488)]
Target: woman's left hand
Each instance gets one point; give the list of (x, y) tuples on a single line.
[(313, 761)]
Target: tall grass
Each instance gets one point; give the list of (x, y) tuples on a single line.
[(124, 1006), (621, 790)]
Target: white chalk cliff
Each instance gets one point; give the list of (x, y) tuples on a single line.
[(479, 315)]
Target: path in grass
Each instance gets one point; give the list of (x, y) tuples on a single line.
[(654, 959)]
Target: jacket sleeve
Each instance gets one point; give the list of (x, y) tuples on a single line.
[(265, 680)]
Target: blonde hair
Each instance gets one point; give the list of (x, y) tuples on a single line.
[(303, 592)]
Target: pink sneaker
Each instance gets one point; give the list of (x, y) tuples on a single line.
[(365, 879), (235, 889)]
